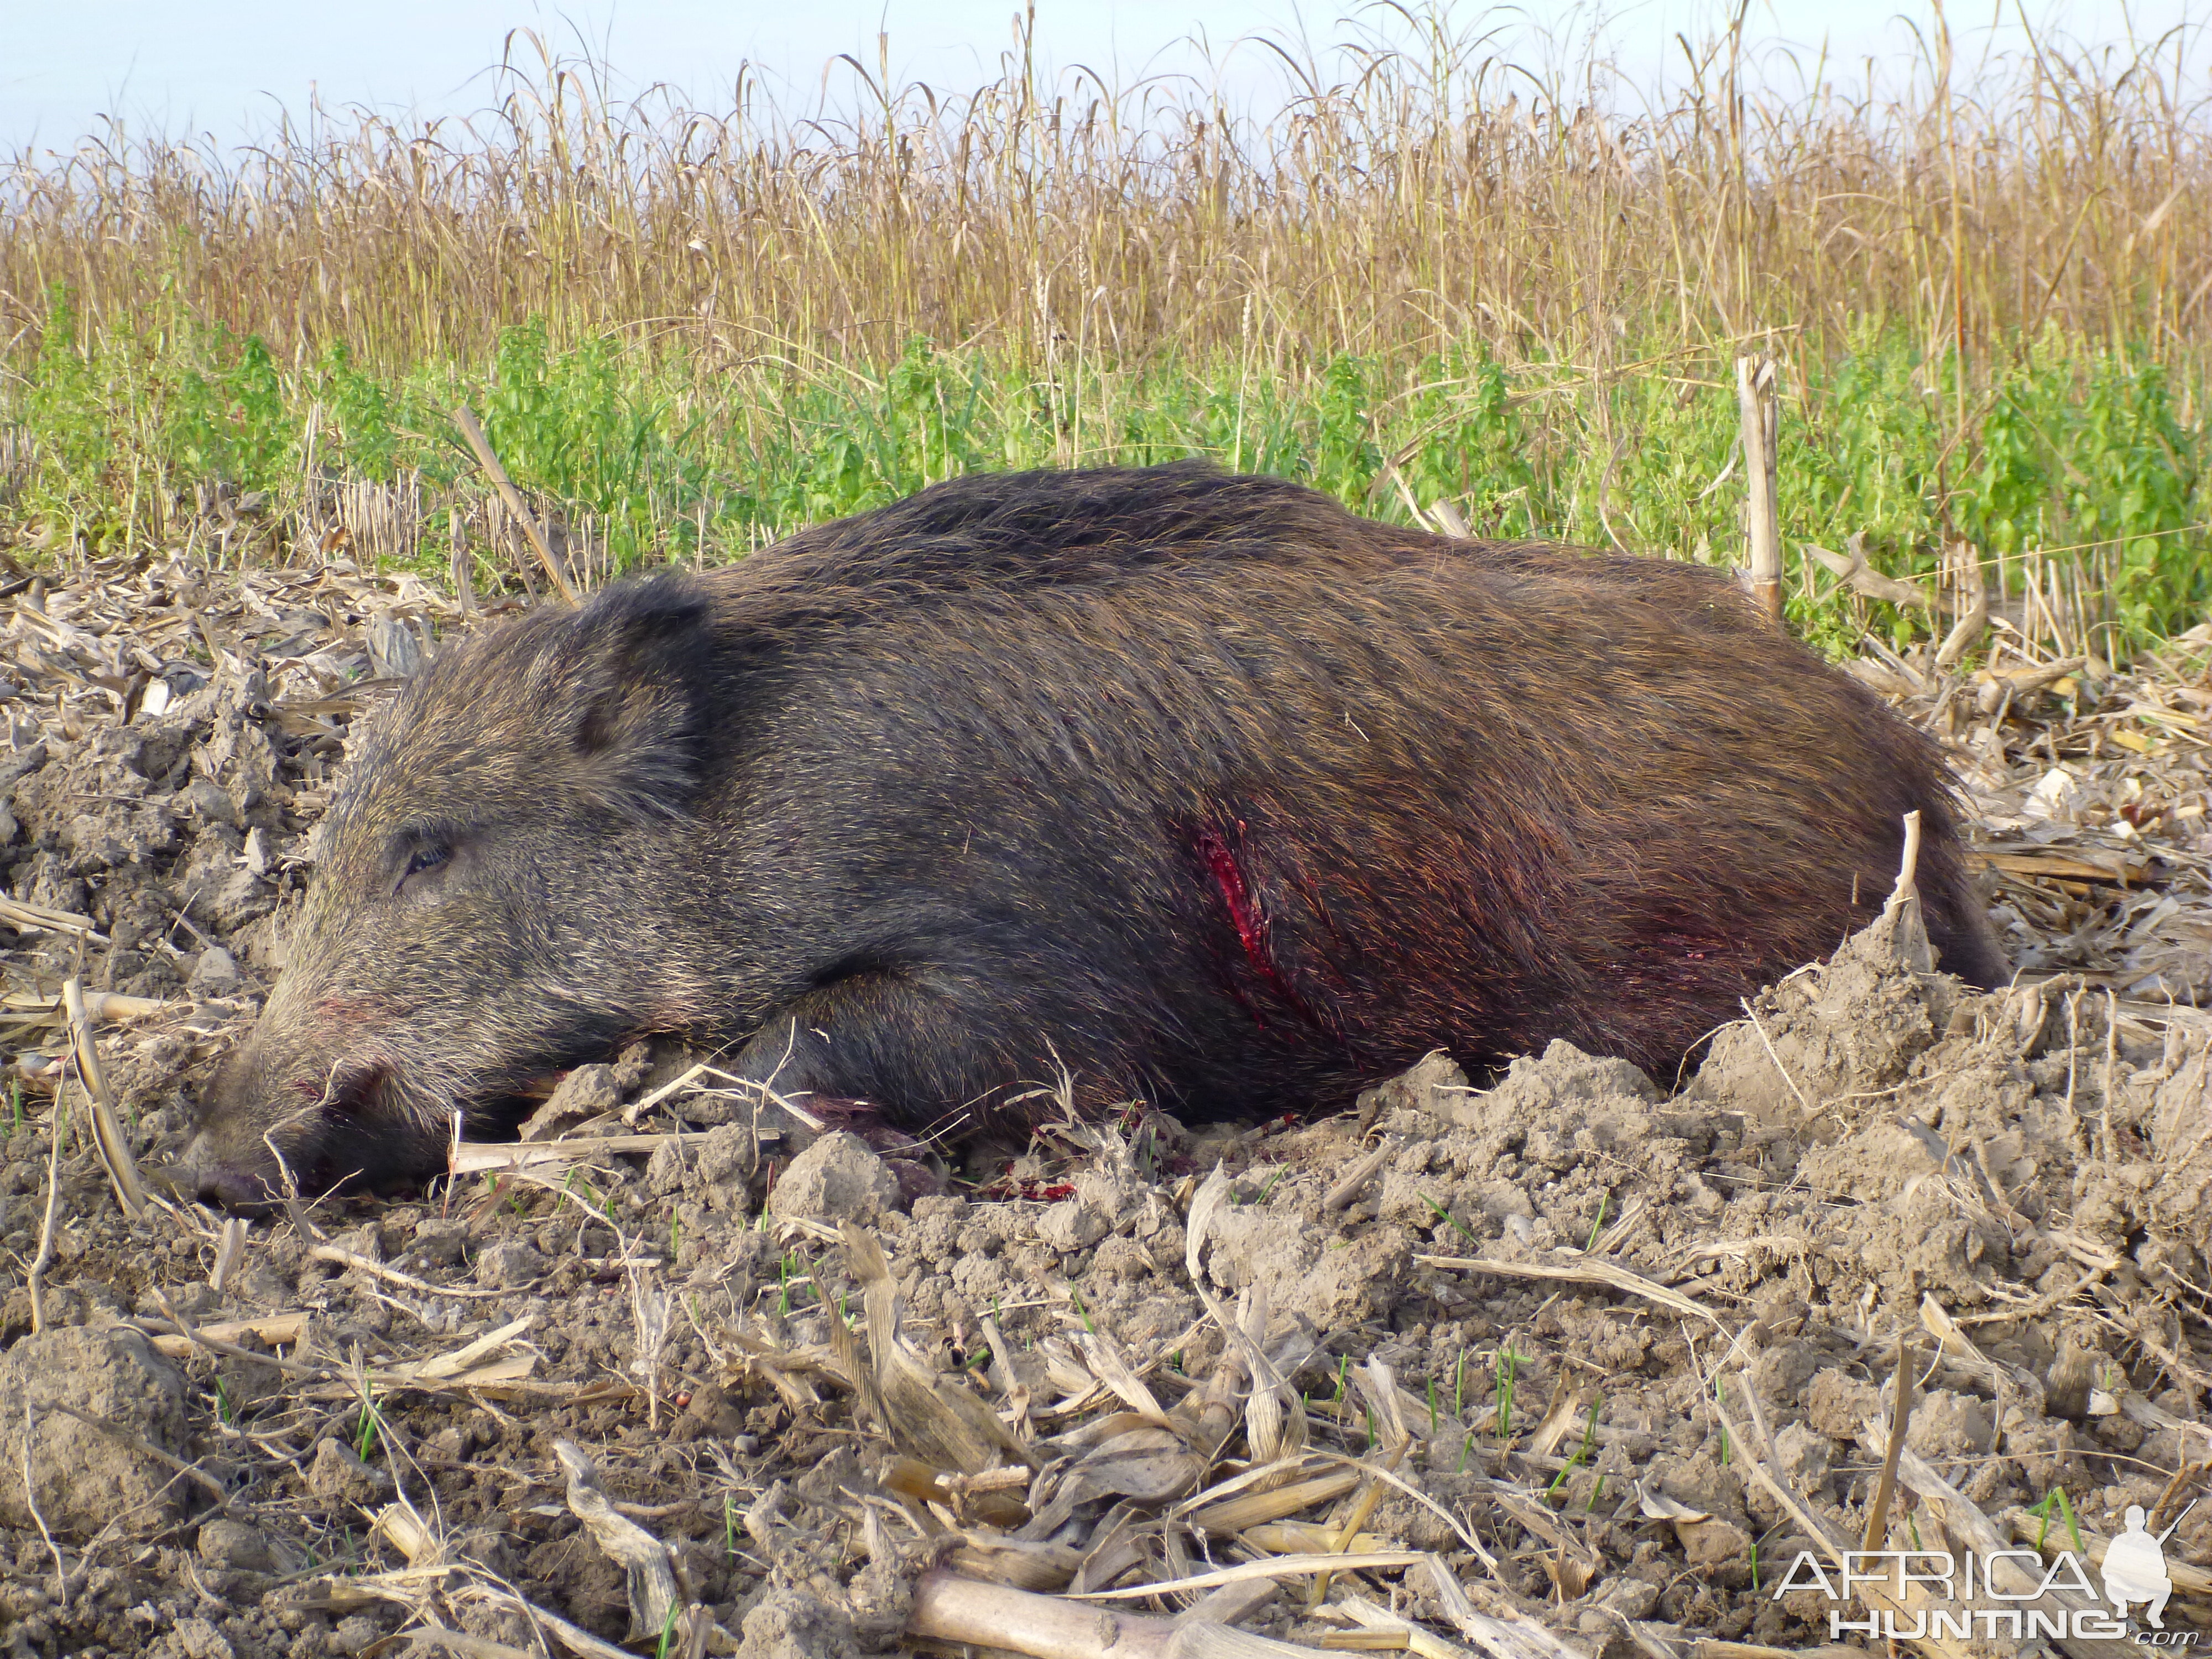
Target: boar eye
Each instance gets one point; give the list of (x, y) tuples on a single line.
[(426, 856)]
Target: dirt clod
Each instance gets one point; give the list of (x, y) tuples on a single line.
[(337, 1476), (837, 1179), (85, 1478)]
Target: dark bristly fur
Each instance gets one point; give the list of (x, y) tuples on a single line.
[(1192, 783)]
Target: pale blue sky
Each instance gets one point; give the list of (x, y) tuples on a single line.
[(186, 66)]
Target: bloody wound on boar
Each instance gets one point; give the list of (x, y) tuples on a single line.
[(1193, 785)]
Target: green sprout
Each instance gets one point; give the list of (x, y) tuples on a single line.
[(1446, 1216), (1509, 1366), (2042, 1512), (365, 1434), (1582, 1452)]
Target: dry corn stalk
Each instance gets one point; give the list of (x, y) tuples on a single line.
[(107, 1133), (950, 1426)]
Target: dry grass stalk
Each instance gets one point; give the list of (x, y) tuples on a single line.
[(436, 1638), (230, 1255), (948, 1426), (217, 1492), (107, 1133), (31, 1502), (473, 431), (1380, 1640), (2025, 1527), (1348, 1185), (1309, 1537), (1279, 1566), (1416, 187), (1498, 1626), (108, 1007), (1576, 1273), (1900, 912), (353, 1262), (515, 1158), (1355, 1518), (1387, 1633), (638, 1108), (400, 1523), (1564, 1415), (195, 1338), (1274, 1415), (1232, 1515), (37, 919), (466, 1364)]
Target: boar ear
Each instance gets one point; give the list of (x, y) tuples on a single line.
[(628, 697)]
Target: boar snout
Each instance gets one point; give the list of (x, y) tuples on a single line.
[(280, 1109), (209, 1178)]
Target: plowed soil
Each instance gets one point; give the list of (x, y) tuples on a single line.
[(1612, 1350)]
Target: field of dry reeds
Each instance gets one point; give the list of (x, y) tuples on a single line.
[(1425, 274)]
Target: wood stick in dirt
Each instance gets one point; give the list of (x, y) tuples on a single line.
[(1863, 578), (102, 1006), (358, 1263), (1908, 867), (1761, 413), (278, 1331), (37, 918), (473, 431), (457, 534), (1974, 619), (950, 1608), (107, 1133), (58, 1128), (1901, 1415)]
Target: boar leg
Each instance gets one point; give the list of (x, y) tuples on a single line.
[(910, 1048)]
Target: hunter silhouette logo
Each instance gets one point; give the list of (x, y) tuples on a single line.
[(2134, 1567)]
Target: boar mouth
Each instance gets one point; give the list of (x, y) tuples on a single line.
[(369, 1123)]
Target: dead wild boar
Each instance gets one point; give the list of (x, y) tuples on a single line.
[(1193, 785)]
